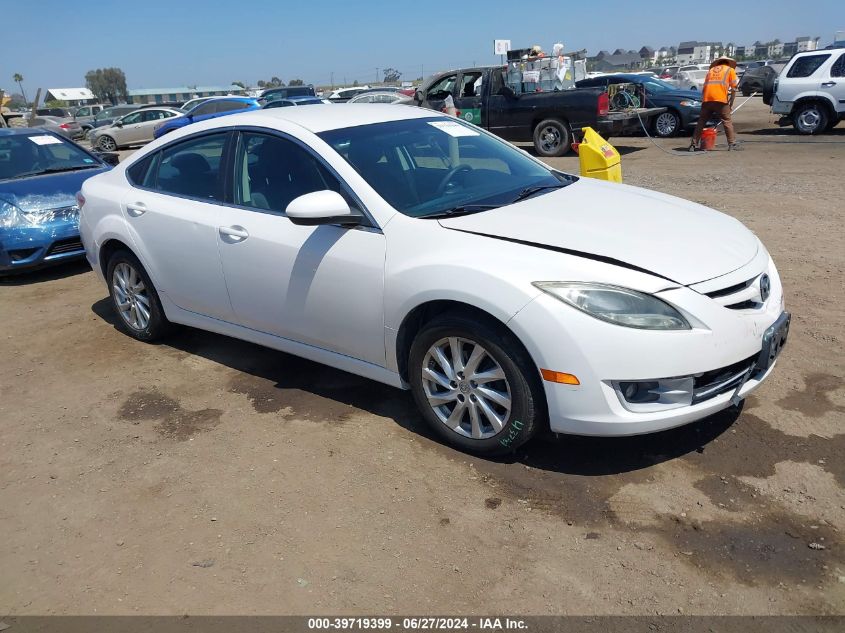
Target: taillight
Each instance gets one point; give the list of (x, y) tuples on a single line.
[(604, 104), (65, 126), (80, 199)]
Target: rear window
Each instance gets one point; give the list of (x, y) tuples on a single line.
[(806, 66)]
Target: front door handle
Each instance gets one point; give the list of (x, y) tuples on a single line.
[(234, 233), (828, 84), (136, 209)]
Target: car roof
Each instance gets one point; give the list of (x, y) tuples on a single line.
[(324, 117), (24, 131)]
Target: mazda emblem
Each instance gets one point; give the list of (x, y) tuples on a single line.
[(765, 287)]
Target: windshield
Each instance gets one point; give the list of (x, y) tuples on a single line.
[(656, 85), (33, 154), (427, 167)]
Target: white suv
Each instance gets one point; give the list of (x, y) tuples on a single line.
[(810, 91)]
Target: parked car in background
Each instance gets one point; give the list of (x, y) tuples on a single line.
[(65, 126), (754, 79), (506, 295), (285, 92), (379, 96), (109, 116), (85, 114), (62, 113), (294, 101), (810, 91), (342, 95), (682, 106), (668, 72), (690, 79), (217, 106), (40, 174), (135, 128), (192, 103)]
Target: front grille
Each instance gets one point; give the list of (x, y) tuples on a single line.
[(742, 296), (20, 254), (61, 247), (712, 383)]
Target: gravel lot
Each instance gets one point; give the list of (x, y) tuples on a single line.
[(205, 475)]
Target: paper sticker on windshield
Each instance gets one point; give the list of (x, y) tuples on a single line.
[(453, 129), (45, 139)]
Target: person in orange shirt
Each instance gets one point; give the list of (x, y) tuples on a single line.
[(717, 98)]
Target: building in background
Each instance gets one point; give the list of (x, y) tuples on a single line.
[(71, 96), (806, 43), (180, 93), (697, 52)]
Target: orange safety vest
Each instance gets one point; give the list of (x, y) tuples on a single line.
[(719, 80)]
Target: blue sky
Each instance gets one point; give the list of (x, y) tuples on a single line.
[(195, 42)]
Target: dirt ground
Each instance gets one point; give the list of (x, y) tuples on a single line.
[(205, 475)]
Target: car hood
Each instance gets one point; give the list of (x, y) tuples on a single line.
[(692, 95), (672, 238), (49, 191)]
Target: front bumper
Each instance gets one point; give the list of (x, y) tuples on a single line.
[(563, 339), (30, 248)]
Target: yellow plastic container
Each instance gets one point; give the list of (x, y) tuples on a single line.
[(598, 158)]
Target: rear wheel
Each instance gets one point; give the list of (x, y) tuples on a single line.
[(134, 298), (810, 118), (475, 385), (552, 138)]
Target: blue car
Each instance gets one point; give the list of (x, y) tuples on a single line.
[(294, 101), (40, 174), (210, 109), (682, 106)]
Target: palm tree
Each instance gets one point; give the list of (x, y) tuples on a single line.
[(18, 79)]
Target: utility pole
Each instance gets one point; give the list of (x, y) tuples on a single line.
[(376, 74), (35, 105), (332, 80)]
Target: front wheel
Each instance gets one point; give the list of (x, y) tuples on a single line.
[(134, 299), (667, 124), (810, 118), (552, 138), (106, 143), (475, 385)]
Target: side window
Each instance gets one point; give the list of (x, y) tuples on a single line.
[(209, 107), (132, 118), (151, 115), (272, 171), (468, 84), (838, 68), (806, 66), (140, 173), (497, 82), (193, 168), (83, 112), (442, 88)]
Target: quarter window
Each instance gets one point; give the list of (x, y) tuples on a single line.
[(806, 66), (193, 168), (838, 68), (272, 171)]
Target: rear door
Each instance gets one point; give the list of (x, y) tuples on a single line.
[(149, 119), (173, 211), (835, 83)]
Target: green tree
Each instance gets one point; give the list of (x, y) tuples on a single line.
[(109, 84), (18, 79), (275, 82), (55, 103), (261, 83), (240, 84), (296, 82), (391, 75)]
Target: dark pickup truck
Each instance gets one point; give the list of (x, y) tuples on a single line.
[(549, 119)]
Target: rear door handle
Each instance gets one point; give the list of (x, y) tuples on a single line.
[(828, 84), (136, 209), (234, 233)]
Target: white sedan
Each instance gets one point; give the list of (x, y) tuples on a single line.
[(420, 251)]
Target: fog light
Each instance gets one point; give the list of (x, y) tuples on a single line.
[(643, 396)]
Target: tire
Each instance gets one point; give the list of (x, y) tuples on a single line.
[(107, 143), (769, 89), (500, 354), (124, 274), (552, 138), (810, 117), (667, 124)]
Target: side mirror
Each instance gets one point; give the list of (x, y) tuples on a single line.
[(109, 158), (419, 97), (321, 207), (508, 92), (118, 123)]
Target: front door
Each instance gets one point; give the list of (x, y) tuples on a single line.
[(173, 213), (323, 285), (468, 96)]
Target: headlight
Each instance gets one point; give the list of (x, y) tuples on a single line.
[(613, 304), (691, 104), (10, 216)]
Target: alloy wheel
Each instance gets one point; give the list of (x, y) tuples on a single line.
[(666, 124), (107, 144), (549, 139), (131, 296), (809, 119), (466, 388)]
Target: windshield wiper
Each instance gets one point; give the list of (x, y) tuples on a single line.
[(464, 209), (530, 191), (54, 170)]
